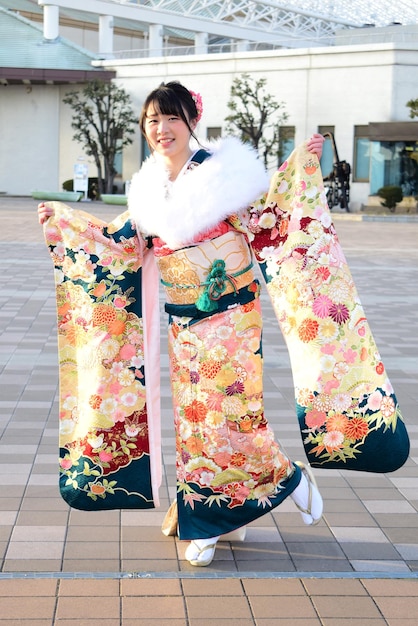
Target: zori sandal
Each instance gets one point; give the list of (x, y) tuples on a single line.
[(309, 494), (200, 556), (169, 527)]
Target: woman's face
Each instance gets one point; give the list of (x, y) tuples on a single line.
[(168, 135)]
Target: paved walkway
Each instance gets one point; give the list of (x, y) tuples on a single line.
[(359, 567)]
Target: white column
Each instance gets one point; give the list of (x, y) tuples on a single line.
[(106, 34), (243, 45), (51, 22), (201, 43), (155, 41)]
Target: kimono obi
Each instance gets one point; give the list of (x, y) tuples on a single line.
[(203, 273)]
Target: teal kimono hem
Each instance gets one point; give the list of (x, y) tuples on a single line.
[(203, 522)]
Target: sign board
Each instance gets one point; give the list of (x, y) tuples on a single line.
[(81, 178)]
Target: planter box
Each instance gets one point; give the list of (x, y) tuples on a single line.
[(114, 198), (61, 196)]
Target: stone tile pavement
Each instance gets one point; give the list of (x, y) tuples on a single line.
[(62, 566)]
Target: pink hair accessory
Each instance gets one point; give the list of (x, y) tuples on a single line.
[(197, 98)]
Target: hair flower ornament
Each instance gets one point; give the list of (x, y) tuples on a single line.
[(197, 99)]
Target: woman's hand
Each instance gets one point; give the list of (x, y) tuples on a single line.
[(315, 144), (44, 212)]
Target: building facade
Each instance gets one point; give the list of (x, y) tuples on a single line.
[(356, 91)]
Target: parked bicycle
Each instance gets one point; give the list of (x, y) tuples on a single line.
[(338, 181)]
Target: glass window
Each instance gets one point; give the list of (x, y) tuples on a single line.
[(361, 159), (394, 163), (409, 169), (286, 142), (118, 161), (327, 158), (213, 132)]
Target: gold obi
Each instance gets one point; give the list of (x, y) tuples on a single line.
[(210, 269)]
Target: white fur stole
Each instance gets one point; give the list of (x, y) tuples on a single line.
[(225, 183)]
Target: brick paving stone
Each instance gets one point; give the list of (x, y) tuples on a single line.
[(332, 586), (30, 587), (88, 587), (91, 565), (148, 550), (348, 607), (85, 607), (150, 587), (277, 621), (31, 565), (149, 621), (218, 607), (146, 607), (27, 550), (282, 606), (7, 621), (355, 622), (83, 534), (273, 587), (212, 587), (91, 550), (388, 587), (395, 607), (33, 607), (284, 565), (229, 621), (79, 621)]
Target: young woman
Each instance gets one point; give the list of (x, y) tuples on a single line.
[(202, 217), (190, 207), (183, 199)]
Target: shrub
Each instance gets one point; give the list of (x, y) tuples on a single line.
[(92, 187), (391, 194)]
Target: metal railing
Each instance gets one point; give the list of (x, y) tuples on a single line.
[(344, 37)]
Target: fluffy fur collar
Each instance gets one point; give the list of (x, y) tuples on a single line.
[(228, 181)]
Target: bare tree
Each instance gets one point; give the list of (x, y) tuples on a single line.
[(413, 106), (256, 115), (103, 121)]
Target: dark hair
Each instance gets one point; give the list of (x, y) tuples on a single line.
[(170, 99)]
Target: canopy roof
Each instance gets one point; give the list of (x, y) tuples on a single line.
[(25, 56), (292, 23)]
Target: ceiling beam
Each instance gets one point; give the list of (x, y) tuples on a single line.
[(261, 21)]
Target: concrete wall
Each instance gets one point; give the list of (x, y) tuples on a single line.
[(29, 137), (37, 151)]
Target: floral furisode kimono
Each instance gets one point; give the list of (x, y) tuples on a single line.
[(201, 236)]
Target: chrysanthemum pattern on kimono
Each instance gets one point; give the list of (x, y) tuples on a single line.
[(343, 393)]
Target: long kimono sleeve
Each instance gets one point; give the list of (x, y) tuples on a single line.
[(347, 409), (108, 424)]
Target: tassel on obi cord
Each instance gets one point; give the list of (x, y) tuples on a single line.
[(215, 285)]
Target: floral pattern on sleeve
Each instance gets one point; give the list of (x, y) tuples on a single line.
[(343, 393), (103, 418)]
